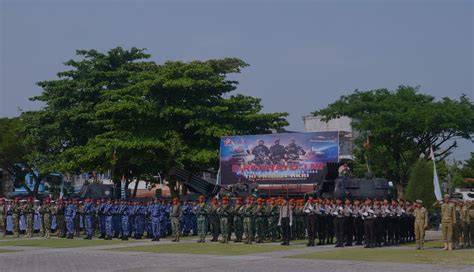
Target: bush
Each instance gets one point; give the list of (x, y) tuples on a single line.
[(420, 184)]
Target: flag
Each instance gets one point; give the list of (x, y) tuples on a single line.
[(437, 190), (122, 187), (61, 194)]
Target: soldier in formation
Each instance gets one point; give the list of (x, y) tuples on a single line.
[(371, 222)]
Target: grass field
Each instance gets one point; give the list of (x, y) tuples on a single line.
[(430, 256), (61, 243), (208, 248)]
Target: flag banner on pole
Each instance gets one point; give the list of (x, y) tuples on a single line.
[(437, 189)]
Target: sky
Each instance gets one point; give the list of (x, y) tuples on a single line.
[(303, 55)]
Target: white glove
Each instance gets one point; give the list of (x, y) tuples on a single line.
[(291, 224), (365, 214), (279, 223)]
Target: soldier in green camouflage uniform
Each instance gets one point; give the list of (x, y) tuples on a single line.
[(223, 212), (272, 217), (176, 214), (259, 220), (238, 220), (29, 212), (457, 228), (214, 221), (3, 218), (60, 219), (202, 211), (465, 226), (16, 212), (46, 216), (249, 220)]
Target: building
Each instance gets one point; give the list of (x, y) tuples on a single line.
[(342, 124)]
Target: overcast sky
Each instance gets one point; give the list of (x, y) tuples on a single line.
[(303, 54)]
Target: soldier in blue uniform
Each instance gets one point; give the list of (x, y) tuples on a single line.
[(107, 211), (117, 219), (155, 217), (88, 212), (124, 211), (139, 220), (148, 226), (101, 216), (187, 220), (194, 226), (70, 215), (164, 219)]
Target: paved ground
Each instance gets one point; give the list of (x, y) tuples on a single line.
[(99, 259)]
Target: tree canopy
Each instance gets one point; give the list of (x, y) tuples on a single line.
[(120, 110), (401, 125)]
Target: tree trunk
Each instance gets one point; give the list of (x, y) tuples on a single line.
[(400, 190), (136, 187), (173, 190)]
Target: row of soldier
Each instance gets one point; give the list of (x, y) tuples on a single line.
[(374, 223)]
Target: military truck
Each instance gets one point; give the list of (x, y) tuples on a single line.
[(355, 188)]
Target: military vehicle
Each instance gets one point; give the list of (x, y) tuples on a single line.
[(355, 188)]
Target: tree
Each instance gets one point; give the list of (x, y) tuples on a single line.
[(14, 153), (401, 126), (420, 184), (117, 111)]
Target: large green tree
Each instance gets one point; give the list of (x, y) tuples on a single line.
[(401, 125), (151, 116)]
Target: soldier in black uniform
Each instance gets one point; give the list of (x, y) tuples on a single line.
[(358, 222), (339, 221), (349, 223), (368, 215), (277, 152), (261, 153), (310, 209), (293, 151), (329, 230)]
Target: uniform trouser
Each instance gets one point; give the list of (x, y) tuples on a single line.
[(103, 231), (16, 225), (202, 227), (349, 230), (403, 228), (70, 225), (311, 221), (272, 227), (77, 224), (471, 231), (3, 226), (322, 229), (285, 229), (420, 231), (339, 228), (380, 230), (61, 225), (411, 228), (175, 226), (456, 233), (248, 228), (359, 230), (330, 229), (46, 225), (224, 227), (155, 227), (215, 226), (108, 225), (447, 231), (88, 225), (395, 222), (259, 227), (125, 226), (369, 232), (239, 227), (29, 225)]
